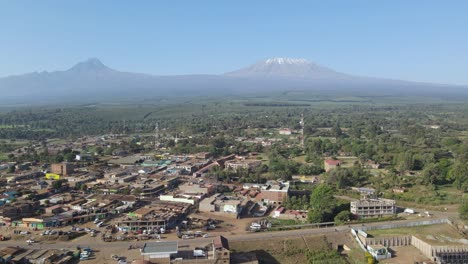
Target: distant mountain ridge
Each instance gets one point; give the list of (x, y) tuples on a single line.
[(287, 67), (91, 80)]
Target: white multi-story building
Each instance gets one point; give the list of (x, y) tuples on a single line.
[(373, 207)]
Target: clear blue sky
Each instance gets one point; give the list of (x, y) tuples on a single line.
[(409, 39)]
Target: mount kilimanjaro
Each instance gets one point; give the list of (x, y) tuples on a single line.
[(288, 68), (91, 81)]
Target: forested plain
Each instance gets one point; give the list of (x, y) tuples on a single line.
[(421, 144)]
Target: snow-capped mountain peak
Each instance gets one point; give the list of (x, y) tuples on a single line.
[(286, 61), (287, 68)]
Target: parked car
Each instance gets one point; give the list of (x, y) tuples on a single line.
[(199, 253)]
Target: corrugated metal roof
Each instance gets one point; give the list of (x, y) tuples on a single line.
[(221, 242), (161, 247)]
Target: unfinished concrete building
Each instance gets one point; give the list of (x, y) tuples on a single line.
[(373, 207)]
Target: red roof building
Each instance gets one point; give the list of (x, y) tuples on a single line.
[(330, 164)]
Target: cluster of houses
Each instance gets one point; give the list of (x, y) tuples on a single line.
[(144, 192), (135, 191), (150, 193), (131, 193), (25, 255)]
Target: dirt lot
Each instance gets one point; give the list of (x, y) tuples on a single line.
[(230, 225), (404, 255)]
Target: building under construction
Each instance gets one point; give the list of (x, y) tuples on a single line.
[(159, 215), (373, 207)]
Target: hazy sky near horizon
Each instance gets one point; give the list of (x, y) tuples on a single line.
[(410, 40)]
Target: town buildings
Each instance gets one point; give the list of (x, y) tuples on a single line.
[(330, 164), (153, 217), (272, 192), (63, 169), (24, 255), (246, 164), (224, 204), (285, 131), (214, 252)]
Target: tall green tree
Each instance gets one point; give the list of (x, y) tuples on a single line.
[(322, 204), (336, 130), (459, 175)]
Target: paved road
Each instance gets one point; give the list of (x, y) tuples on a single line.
[(191, 242)]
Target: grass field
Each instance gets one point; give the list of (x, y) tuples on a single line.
[(10, 126), (300, 159), (281, 250), (16, 142), (293, 250), (3, 157), (421, 194), (348, 162)]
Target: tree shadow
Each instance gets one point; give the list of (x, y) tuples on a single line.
[(261, 255), (265, 257)]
